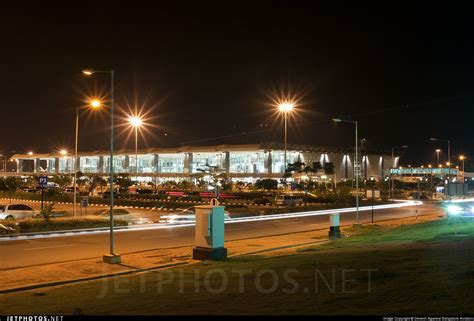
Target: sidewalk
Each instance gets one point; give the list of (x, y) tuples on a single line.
[(31, 277)]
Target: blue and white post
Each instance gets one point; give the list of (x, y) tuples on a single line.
[(209, 232), (334, 230)]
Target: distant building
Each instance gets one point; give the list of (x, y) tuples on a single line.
[(240, 162), (413, 174)]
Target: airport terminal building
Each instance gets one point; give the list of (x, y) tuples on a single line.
[(246, 162)]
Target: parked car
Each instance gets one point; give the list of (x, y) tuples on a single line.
[(185, 216), (18, 212), (116, 195), (288, 200), (70, 190)]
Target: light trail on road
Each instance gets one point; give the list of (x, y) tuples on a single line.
[(399, 204)]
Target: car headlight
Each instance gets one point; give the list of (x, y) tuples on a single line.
[(454, 209)]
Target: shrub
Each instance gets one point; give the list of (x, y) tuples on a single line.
[(9, 228), (28, 226), (191, 198), (261, 201)]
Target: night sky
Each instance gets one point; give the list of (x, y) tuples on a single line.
[(206, 75)]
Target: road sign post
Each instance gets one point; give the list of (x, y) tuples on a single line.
[(43, 182), (84, 203)]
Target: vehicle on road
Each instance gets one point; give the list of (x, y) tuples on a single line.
[(185, 216), (460, 208), (124, 214), (18, 212), (288, 200)]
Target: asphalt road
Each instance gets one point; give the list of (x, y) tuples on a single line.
[(20, 253)]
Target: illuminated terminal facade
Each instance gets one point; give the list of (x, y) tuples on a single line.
[(246, 162)]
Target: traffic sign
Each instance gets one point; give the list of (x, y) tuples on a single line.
[(43, 181)]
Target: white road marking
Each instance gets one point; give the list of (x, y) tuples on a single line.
[(155, 237), (48, 247)]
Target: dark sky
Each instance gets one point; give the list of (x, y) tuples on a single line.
[(205, 72)]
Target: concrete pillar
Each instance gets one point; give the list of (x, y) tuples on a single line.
[(79, 168), (156, 163), (126, 166), (190, 163), (20, 166), (37, 165), (227, 163), (100, 165), (382, 164), (56, 165), (268, 162)]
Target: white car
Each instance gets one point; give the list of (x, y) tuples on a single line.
[(185, 216), (123, 214), (288, 200), (18, 212)]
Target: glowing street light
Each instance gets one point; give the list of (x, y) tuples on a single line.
[(30, 153), (63, 152), (136, 122), (286, 107), (95, 103), (88, 72)]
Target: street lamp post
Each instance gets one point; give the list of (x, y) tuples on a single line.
[(391, 189), (285, 108), (94, 104), (112, 257), (136, 122), (449, 153), (462, 158), (75, 162), (356, 162), (437, 155)]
